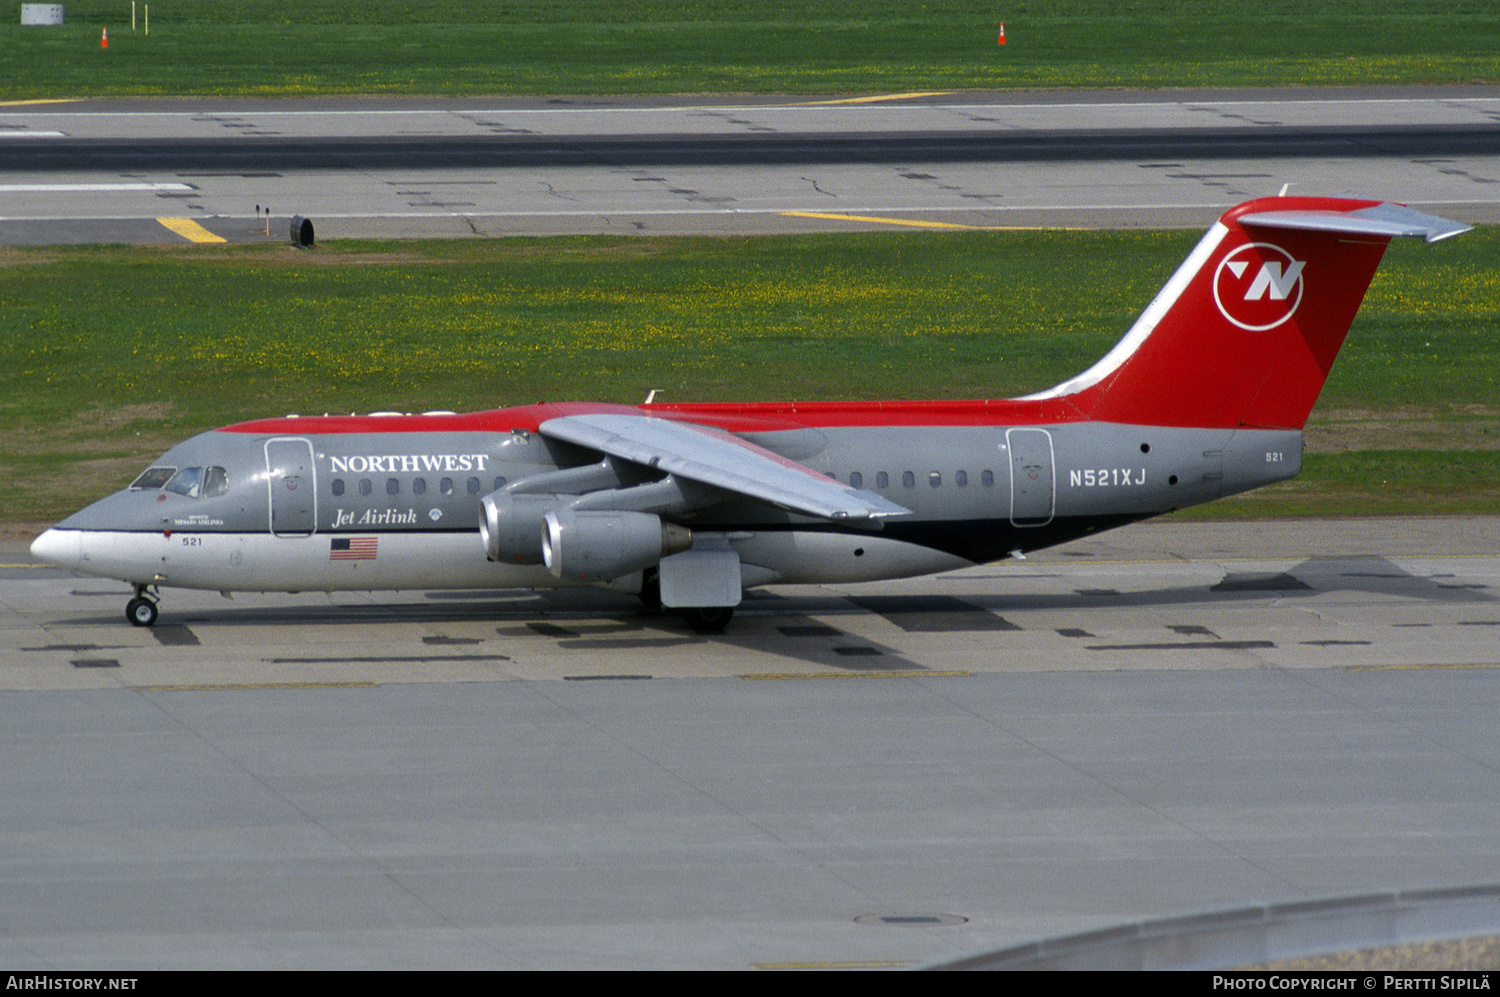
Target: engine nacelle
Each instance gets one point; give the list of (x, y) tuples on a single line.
[(511, 526), (599, 546)]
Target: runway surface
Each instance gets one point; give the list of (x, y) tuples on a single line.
[(132, 170), (1167, 718)]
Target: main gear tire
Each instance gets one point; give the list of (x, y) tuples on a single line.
[(141, 612), (708, 619)]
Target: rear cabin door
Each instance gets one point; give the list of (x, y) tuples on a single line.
[(292, 478), (1033, 489)]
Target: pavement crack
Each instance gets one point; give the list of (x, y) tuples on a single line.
[(552, 191)]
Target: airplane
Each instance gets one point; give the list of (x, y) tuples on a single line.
[(686, 505)]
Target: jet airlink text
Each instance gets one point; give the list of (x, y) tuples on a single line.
[(372, 517), (409, 463)]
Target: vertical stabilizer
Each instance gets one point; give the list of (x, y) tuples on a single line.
[(1245, 332)]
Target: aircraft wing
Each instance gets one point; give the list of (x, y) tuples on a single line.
[(722, 460)]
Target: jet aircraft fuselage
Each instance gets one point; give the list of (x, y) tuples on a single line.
[(689, 504), (274, 505)]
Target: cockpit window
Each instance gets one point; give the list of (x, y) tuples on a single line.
[(193, 482), (153, 478), (209, 482), (215, 482), (187, 481)]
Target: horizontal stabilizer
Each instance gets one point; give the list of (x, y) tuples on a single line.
[(1390, 220), (722, 460)]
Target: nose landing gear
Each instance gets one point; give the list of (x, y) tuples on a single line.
[(141, 611)]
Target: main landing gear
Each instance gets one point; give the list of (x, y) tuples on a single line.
[(708, 619), (703, 619), (141, 611)]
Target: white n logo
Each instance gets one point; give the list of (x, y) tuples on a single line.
[(1258, 286), (1271, 280)]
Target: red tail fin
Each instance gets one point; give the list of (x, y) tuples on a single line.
[(1245, 332)]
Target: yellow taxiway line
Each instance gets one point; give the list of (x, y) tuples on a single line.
[(191, 230), (832, 965), (903, 674), (52, 100), (241, 686), (872, 219), (877, 97)]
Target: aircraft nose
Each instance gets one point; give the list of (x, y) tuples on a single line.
[(59, 547)]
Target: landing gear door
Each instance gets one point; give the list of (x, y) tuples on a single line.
[(1033, 487), (292, 478)]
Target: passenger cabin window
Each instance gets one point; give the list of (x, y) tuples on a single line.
[(935, 479), (856, 480), (473, 486), (961, 478), (393, 486), (908, 479), (153, 478), (338, 486), (882, 480), (419, 487), (987, 479), (365, 488), (446, 486)]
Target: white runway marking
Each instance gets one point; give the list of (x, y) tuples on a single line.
[(86, 188), (859, 105)]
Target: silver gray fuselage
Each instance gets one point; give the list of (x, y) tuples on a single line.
[(976, 494)]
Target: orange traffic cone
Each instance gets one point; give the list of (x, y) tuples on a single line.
[(104, 39), (1001, 39)]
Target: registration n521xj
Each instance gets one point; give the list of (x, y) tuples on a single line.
[(1106, 477)]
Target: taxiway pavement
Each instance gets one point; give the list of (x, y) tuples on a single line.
[(1170, 717), (387, 168)]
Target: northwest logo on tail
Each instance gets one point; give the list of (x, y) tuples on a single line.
[(1258, 286)]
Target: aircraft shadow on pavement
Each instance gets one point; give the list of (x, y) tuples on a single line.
[(802, 627)]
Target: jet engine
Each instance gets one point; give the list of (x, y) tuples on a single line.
[(599, 546), (511, 526)]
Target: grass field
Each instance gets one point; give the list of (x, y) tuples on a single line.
[(108, 355), (271, 47)]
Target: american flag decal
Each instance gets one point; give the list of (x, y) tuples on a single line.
[(352, 549)]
